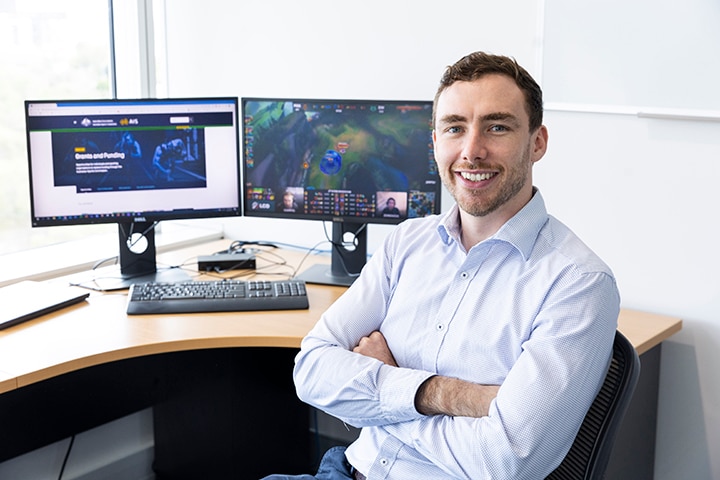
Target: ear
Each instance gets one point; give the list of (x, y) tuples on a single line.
[(539, 142)]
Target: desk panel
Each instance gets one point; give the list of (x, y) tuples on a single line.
[(217, 413)]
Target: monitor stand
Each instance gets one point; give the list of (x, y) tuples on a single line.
[(137, 260), (347, 258)]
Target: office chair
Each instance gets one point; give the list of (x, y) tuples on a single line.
[(588, 457)]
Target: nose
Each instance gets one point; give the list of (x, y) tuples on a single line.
[(474, 145)]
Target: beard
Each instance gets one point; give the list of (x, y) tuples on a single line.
[(480, 203)]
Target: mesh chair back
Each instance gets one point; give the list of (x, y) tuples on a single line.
[(588, 457)]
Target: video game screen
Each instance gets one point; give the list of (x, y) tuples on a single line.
[(366, 160)]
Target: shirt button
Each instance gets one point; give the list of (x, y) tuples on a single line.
[(464, 275), (439, 327), (383, 462)]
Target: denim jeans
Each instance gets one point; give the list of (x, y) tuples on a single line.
[(333, 466)]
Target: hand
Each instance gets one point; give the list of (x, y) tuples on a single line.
[(376, 347)]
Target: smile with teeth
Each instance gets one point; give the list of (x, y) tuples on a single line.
[(477, 177)]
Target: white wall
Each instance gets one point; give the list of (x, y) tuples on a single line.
[(328, 49), (640, 191)]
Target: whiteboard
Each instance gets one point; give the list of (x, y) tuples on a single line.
[(632, 53)]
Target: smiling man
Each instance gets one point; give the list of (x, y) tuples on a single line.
[(485, 148), (473, 342)]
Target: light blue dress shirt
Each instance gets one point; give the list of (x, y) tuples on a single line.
[(532, 309)]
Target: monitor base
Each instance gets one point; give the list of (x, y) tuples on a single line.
[(323, 275)]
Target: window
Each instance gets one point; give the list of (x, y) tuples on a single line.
[(48, 50)]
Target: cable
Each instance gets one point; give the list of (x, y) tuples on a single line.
[(238, 246), (100, 262), (307, 254), (67, 455)]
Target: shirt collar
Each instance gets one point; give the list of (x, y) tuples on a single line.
[(449, 226), (521, 230)]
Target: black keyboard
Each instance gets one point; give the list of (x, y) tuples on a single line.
[(216, 296)]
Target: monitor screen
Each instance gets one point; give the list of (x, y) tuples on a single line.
[(119, 160), (358, 161), (132, 162), (346, 161)]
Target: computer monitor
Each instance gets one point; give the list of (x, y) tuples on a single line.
[(352, 162), (134, 163)]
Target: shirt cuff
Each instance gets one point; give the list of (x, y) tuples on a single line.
[(397, 392)]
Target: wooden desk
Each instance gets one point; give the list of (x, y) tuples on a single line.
[(96, 363), (647, 330), (98, 331)]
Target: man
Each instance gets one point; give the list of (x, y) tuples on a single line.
[(289, 205), (390, 209), (165, 157), (129, 146), (473, 343)]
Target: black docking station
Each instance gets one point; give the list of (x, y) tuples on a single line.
[(226, 261)]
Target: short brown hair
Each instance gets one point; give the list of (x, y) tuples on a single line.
[(477, 64)]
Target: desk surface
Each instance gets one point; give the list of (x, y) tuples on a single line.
[(98, 331)]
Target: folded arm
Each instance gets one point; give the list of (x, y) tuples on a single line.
[(438, 395)]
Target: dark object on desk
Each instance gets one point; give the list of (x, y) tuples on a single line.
[(216, 296), (590, 452), (226, 261), (28, 299)]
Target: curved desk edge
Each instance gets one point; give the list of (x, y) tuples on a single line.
[(143, 351), (7, 382)]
